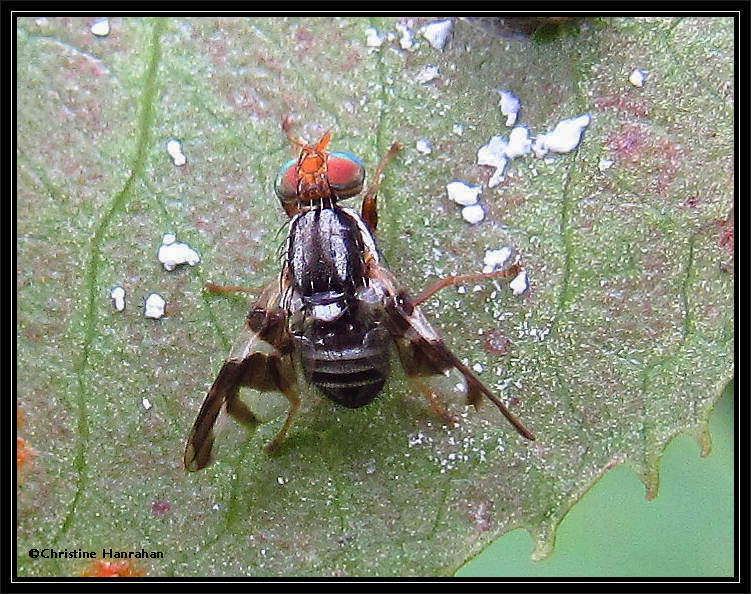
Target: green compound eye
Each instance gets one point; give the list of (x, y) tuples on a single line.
[(346, 174)]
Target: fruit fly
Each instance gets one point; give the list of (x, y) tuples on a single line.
[(335, 309)]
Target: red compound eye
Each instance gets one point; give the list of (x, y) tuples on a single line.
[(285, 184), (346, 174)]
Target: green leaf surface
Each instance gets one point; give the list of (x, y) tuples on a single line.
[(624, 340)]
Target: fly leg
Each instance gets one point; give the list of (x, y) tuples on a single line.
[(215, 289), (294, 400), (293, 140), (423, 386), (442, 283), (239, 411), (298, 144), (369, 206)]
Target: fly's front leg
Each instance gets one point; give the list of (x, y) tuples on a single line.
[(369, 205), (295, 142), (509, 272)]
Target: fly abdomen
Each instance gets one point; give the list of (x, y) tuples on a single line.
[(349, 367)]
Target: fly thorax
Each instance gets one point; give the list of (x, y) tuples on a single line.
[(326, 253)]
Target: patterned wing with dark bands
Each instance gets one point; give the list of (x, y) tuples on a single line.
[(260, 359), (422, 352)]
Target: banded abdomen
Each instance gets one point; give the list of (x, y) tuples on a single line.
[(346, 359), (345, 350)]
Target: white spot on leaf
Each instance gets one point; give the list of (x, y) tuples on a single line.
[(493, 154), (520, 284), (564, 138), (373, 38), (462, 193), (101, 28), (118, 298), (605, 164), (637, 77), (175, 150), (423, 146), (154, 306), (473, 214), (437, 32), (427, 73), (519, 143), (172, 253), (495, 259), (406, 39), (510, 106)]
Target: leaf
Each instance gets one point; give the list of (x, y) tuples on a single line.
[(624, 340)]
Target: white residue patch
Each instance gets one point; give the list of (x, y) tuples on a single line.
[(118, 298), (462, 193), (519, 143), (498, 152), (510, 106), (437, 32), (146, 403), (101, 28), (605, 164), (419, 438), (175, 150), (427, 73), (564, 138), (172, 253), (493, 154), (373, 38), (637, 77), (495, 259), (155, 306), (423, 146), (473, 214), (520, 284), (478, 368), (457, 129), (406, 36)]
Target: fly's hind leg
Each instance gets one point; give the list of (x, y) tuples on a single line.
[(369, 205), (294, 400), (273, 371), (442, 283), (433, 396)]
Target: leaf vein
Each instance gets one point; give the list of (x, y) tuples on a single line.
[(92, 270)]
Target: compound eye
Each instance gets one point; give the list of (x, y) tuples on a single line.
[(285, 184), (346, 174)]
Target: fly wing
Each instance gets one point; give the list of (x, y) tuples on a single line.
[(260, 359), (422, 352)]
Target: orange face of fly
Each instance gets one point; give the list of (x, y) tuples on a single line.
[(318, 177), (312, 171)]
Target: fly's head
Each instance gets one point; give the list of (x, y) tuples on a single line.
[(318, 177)]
